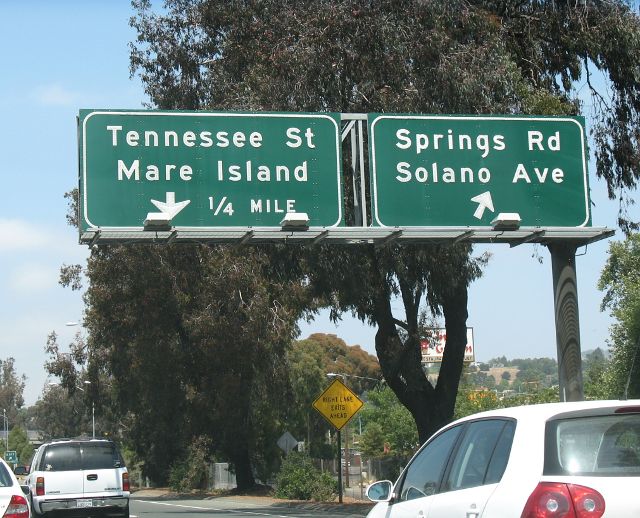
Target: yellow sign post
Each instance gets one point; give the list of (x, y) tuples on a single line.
[(338, 404)]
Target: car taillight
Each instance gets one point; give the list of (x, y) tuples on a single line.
[(18, 508), (557, 500), (586, 501), (125, 482), (40, 486)]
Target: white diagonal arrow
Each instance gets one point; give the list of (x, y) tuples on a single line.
[(170, 207), (484, 201)]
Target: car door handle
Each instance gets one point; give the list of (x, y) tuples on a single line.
[(92, 477)]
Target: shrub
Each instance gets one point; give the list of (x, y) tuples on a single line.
[(299, 479), (192, 472)]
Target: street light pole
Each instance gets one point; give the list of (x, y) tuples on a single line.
[(86, 382), (6, 429), (93, 410)]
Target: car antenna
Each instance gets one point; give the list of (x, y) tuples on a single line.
[(635, 354)]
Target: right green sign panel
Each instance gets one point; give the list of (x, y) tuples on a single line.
[(459, 171)]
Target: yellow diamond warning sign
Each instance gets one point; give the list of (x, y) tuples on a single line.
[(338, 404)]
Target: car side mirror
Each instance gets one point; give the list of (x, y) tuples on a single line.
[(380, 491), (25, 490)]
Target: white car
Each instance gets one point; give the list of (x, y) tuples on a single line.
[(13, 502), (79, 478), (556, 460)]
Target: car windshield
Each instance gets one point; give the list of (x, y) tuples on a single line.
[(594, 446), (5, 477)]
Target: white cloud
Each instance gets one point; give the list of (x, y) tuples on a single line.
[(58, 243), (55, 95), (33, 277), (16, 234)]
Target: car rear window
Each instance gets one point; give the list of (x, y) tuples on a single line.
[(607, 445), (5, 477), (76, 456)]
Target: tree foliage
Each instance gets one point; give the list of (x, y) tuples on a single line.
[(621, 285), (19, 442), (188, 341), (595, 365), (309, 362), (389, 427), (61, 414), (192, 471), (11, 390), (401, 56)]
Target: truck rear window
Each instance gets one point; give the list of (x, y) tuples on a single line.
[(74, 456), (607, 445), (61, 457), (100, 456)]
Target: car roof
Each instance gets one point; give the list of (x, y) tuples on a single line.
[(546, 411), (78, 441)]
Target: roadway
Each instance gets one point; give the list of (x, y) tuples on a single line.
[(238, 507)]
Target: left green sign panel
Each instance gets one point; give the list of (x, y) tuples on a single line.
[(208, 169)]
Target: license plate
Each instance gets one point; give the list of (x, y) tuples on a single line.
[(84, 503)]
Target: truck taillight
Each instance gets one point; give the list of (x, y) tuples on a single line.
[(40, 486), (125, 482), (18, 508), (558, 500)]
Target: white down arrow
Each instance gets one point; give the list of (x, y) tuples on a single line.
[(170, 207)]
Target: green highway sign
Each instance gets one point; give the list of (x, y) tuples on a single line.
[(11, 457), (207, 170), (449, 170)]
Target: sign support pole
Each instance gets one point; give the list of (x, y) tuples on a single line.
[(565, 290), (339, 467)]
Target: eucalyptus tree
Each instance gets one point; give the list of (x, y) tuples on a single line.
[(429, 56), (187, 341)]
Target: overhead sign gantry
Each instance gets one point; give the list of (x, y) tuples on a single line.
[(264, 177), (254, 177)]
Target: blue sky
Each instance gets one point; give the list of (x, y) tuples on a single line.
[(58, 57)]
